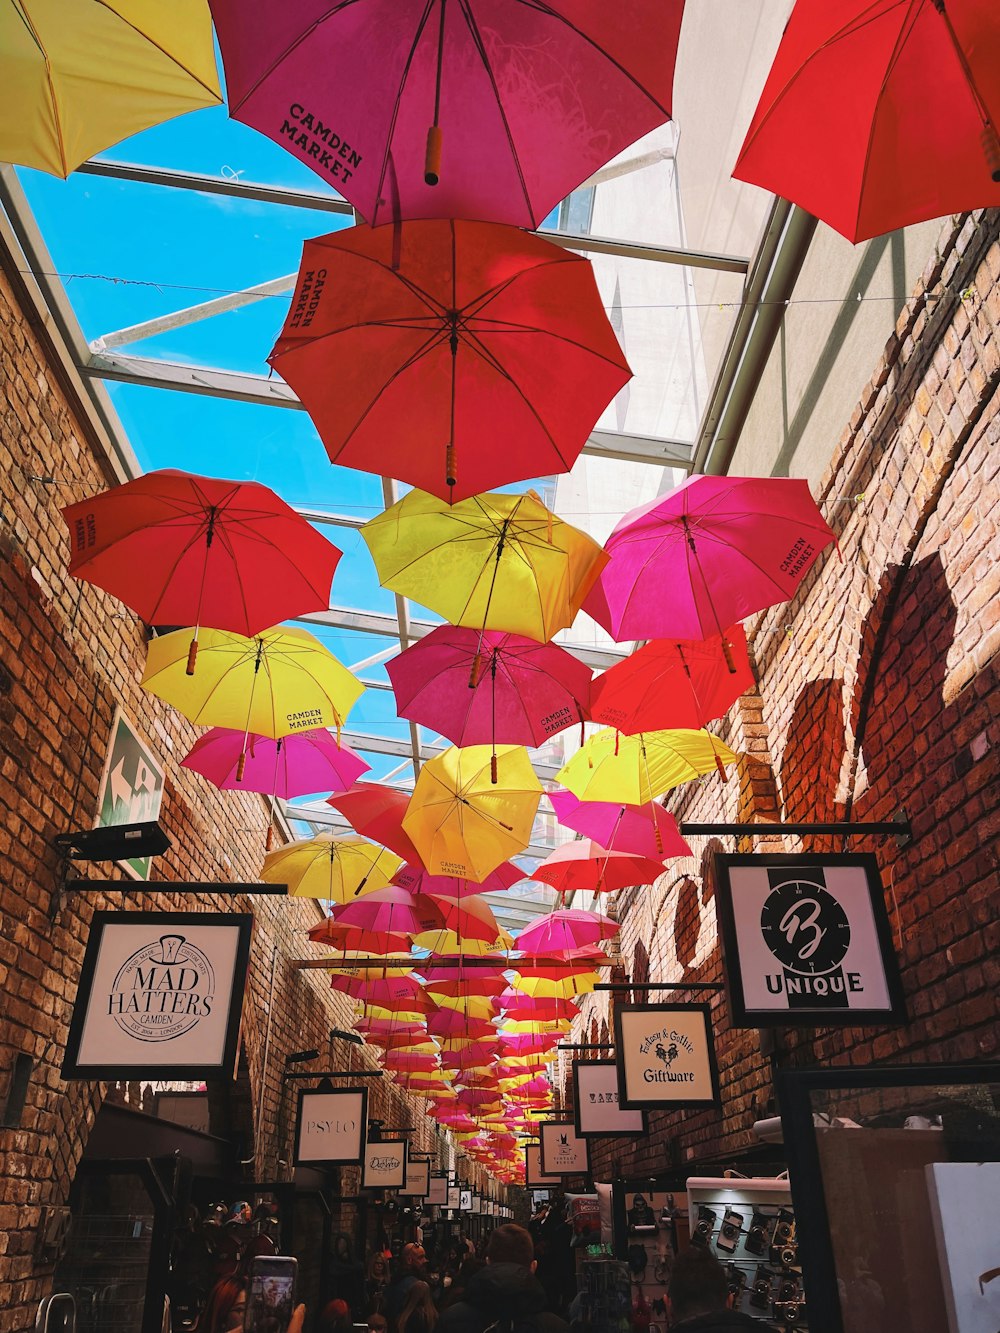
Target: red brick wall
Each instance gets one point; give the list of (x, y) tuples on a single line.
[(877, 691), (68, 655)]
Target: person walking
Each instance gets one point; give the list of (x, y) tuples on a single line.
[(698, 1297), (505, 1296), (412, 1268), (418, 1315)]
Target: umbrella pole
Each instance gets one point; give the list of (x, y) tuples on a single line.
[(726, 650), (477, 660), (493, 717), (269, 843), (432, 155), (450, 462), (193, 647), (988, 138), (241, 765)]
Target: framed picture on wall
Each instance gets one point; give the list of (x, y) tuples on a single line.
[(806, 940), (418, 1177), (330, 1126), (534, 1176), (665, 1056), (437, 1190), (564, 1151), (596, 1109), (384, 1165)]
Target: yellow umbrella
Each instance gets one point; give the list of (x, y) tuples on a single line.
[(501, 562), (337, 869), (472, 809), (446, 943), (472, 1006), (556, 988), (634, 770), (279, 682), (77, 76), (379, 1011)]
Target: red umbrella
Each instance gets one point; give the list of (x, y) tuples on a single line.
[(404, 993), (375, 1029), (490, 687), (706, 554), (416, 879), (911, 132), (514, 1004), (586, 865), (353, 939), (186, 550), (439, 353), (479, 109), (626, 828), (377, 812), (530, 1043), (471, 918), (465, 980), (408, 1062), (556, 934), (674, 683)]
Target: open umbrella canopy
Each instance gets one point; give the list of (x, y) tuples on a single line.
[(636, 769), (416, 879), (894, 146), (470, 918), (465, 980), (389, 911), (646, 830), (451, 1023), (674, 683), (517, 1005), (406, 992), (376, 811), (352, 939), (297, 765), (444, 943), (560, 932), (489, 688), (335, 869), (586, 865), (706, 554), (473, 809), (451, 343), (500, 562), (76, 78), (479, 109)]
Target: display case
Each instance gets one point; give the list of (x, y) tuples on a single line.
[(895, 1178)]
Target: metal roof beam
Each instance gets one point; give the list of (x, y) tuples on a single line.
[(325, 816), (393, 745)]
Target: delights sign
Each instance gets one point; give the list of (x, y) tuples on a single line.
[(384, 1165), (665, 1056), (160, 996)]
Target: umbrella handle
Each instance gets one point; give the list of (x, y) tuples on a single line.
[(432, 156), (192, 655), (493, 770), (991, 151), (269, 840), (240, 766), (450, 466), (727, 652)]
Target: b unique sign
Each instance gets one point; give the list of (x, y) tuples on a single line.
[(160, 996), (806, 939), (564, 1152), (596, 1108), (384, 1165), (665, 1056), (418, 1177), (330, 1126)]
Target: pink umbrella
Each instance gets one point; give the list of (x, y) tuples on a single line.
[(529, 1043), (297, 765), (470, 980), (388, 913), (626, 828), (557, 933), (475, 110), (450, 1023), (490, 688), (711, 551), (387, 992), (588, 866), (517, 1005), (419, 880), (374, 1029), (377, 813), (475, 1055), (409, 1062)]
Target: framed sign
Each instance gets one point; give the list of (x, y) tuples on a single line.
[(160, 996), (476, 1204), (465, 1200), (533, 1174), (564, 1152), (806, 939), (330, 1126), (454, 1197), (418, 1177), (665, 1056), (595, 1106), (437, 1190), (131, 786), (384, 1165)]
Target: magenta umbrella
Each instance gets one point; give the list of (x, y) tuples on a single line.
[(558, 933), (711, 551), (297, 765), (418, 880), (490, 688), (626, 828), (391, 911), (487, 109)]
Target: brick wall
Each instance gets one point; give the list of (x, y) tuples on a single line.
[(877, 691), (68, 655)]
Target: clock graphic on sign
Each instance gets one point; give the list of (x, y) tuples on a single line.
[(805, 927)]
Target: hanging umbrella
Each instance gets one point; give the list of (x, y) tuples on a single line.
[(912, 131), (524, 1043), (471, 810), (387, 912), (706, 554), (557, 932), (352, 939), (76, 78), (481, 689), (295, 765), (448, 1022), (481, 110), (335, 869), (410, 1062), (349, 965), (376, 812), (586, 865), (636, 769), (416, 879), (279, 682), (470, 918), (515, 1005), (180, 549), (465, 980), (374, 1029), (452, 344), (470, 1006), (445, 943), (501, 562), (646, 830), (406, 992), (674, 683)]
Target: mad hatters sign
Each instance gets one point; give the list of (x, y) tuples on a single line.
[(665, 1056), (596, 1108), (806, 939), (330, 1126), (564, 1152), (384, 1165), (160, 996)]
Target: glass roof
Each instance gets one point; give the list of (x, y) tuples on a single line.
[(670, 236)]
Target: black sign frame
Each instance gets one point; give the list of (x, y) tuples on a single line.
[(551, 1125), (578, 1102), (304, 1095), (660, 1103)]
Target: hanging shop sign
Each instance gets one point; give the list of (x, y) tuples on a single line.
[(437, 1191), (417, 1181), (131, 786), (533, 1173), (475, 1204), (806, 939), (384, 1165), (665, 1056), (160, 996), (596, 1108), (330, 1126), (564, 1151), (454, 1197)]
